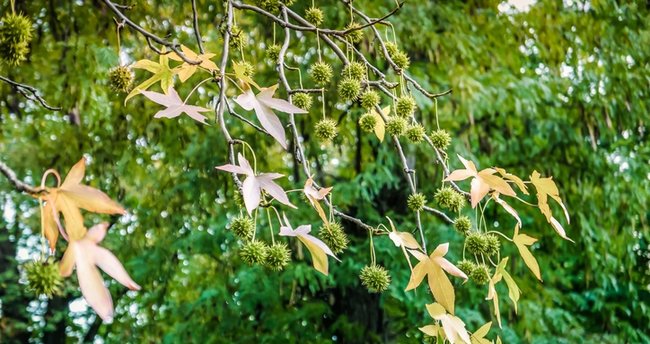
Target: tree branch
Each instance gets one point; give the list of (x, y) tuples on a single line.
[(18, 184), (33, 94)]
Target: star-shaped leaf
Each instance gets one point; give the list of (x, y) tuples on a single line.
[(161, 73), (175, 105), (69, 198), (254, 184), (522, 241), (318, 249), (434, 267), (482, 182), (86, 255), (263, 103), (315, 196), (186, 70)]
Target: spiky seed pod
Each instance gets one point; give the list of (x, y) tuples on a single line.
[(15, 37), (120, 79), (401, 60), (355, 70), (369, 99), (405, 106), (492, 244), (254, 252), (249, 70), (277, 257), (440, 139), (302, 100), (273, 52), (481, 274), (321, 73), (396, 125), (349, 89), (416, 201), (289, 2), (466, 266), (314, 15), (354, 36), (463, 224), (392, 48), (326, 130), (475, 243), (457, 202), (415, 133), (375, 278), (334, 236), (368, 122), (446, 197), (268, 5), (238, 38), (43, 277), (238, 199), (243, 227)]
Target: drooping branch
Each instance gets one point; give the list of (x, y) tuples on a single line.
[(29, 92)]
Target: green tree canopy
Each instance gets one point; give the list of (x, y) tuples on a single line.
[(557, 87)]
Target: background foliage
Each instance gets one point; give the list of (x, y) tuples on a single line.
[(557, 86)]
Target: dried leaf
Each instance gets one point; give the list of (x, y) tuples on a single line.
[(315, 196), (86, 255), (482, 182), (380, 125), (452, 326), (254, 184), (478, 337), (175, 105), (71, 196), (507, 207), (434, 267), (318, 249), (546, 187), (403, 239), (263, 103), (186, 70), (513, 288), (522, 241)]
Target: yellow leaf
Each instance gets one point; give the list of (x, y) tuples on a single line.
[(522, 241), (186, 70), (430, 330), (434, 267), (520, 183), (50, 228), (318, 256), (71, 196), (507, 207), (380, 125), (513, 289), (546, 187), (453, 328), (162, 73), (492, 295), (240, 73), (478, 337)]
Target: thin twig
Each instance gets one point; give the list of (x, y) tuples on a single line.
[(33, 94), (18, 184), (150, 36), (195, 23)]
